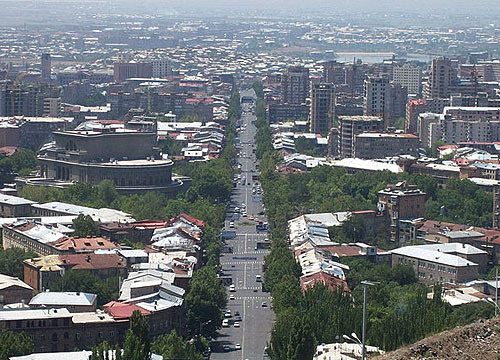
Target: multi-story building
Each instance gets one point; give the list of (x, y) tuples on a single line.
[(380, 145), (409, 76), (416, 107), (334, 72), (124, 71), (401, 201), (13, 206), (295, 85), (442, 78), (350, 126), (440, 263), (52, 107), (161, 68), (40, 272), (93, 156), (283, 112), (460, 125), (322, 108), (384, 99), (46, 66)]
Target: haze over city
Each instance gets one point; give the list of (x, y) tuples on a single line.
[(230, 180)]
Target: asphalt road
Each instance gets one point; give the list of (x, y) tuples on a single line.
[(245, 262)]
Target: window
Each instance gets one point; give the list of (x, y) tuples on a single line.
[(66, 335), (54, 337)]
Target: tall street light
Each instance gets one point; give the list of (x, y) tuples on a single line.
[(363, 336)]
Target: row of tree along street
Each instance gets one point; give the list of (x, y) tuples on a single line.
[(398, 308)]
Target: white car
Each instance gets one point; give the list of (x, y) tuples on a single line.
[(225, 323), (237, 324), (231, 224), (232, 288), (231, 297), (237, 347)]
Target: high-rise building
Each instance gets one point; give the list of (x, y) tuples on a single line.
[(46, 66), (334, 72), (161, 68), (442, 78), (350, 126), (409, 76), (322, 108), (385, 99), (295, 85)]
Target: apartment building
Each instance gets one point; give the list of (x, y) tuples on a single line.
[(379, 145), (322, 108), (350, 126), (408, 76)]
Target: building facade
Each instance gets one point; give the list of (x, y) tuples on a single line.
[(295, 85), (322, 111), (350, 126), (409, 76), (381, 145)]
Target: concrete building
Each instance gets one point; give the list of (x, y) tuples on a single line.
[(295, 85), (283, 112), (350, 126), (52, 107), (442, 78), (334, 72), (124, 71), (322, 108), (416, 107), (408, 76), (93, 156), (161, 68), (401, 201), (380, 145), (433, 264), (385, 99), (46, 66)]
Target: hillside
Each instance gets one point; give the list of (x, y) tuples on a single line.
[(477, 341)]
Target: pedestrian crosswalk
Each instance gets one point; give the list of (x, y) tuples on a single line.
[(240, 262)]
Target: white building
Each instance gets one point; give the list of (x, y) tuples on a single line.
[(409, 76)]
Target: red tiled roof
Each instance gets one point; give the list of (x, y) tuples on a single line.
[(123, 311), (92, 261), (83, 244), (332, 282), (192, 220)]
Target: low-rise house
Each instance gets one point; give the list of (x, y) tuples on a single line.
[(13, 290), (73, 301), (321, 277)]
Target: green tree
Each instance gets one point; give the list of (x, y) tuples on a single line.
[(137, 345), (204, 302), (84, 281), (105, 351), (172, 346), (12, 344), (11, 261), (302, 344), (107, 191), (85, 226)]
